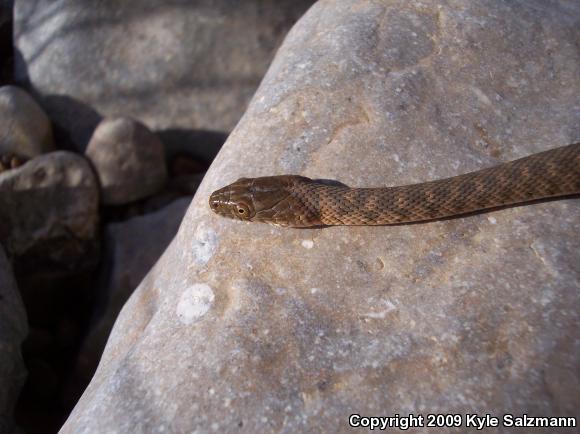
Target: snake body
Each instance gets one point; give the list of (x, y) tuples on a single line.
[(296, 201)]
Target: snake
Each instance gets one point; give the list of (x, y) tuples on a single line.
[(301, 202)]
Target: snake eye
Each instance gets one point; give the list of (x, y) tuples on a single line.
[(242, 210)]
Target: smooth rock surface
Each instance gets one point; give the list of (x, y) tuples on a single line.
[(25, 129), (129, 160), (49, 213), (252, 328), (172, 65), (13, 330), (130, 249)]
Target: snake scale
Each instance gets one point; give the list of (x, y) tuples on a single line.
[(296, 201)]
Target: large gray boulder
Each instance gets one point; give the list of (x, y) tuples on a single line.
[(177, 66), (49, 214), (252, 328), (13, 330)]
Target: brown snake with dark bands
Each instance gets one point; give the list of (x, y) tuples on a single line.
[(296, 201)]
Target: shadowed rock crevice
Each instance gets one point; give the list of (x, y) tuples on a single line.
[(13, 330)]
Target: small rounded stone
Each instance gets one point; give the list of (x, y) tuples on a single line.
[(129, 160), (25, 129)]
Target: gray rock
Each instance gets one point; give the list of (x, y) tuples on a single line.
[(13, 330), (177, 66), (24, 127), (129, 160), (244, 327), (131, 248), (49, 213)]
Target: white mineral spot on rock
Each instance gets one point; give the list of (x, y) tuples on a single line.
[(389, 306), (307, 244), (314, 290), (204, 245), (194, 303), (375, 315), (481, 95)]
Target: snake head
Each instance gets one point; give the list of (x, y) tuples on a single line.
[(268, 199)]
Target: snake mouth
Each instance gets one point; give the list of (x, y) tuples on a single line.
[(214, 203), (218, 201), (215, 200)]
